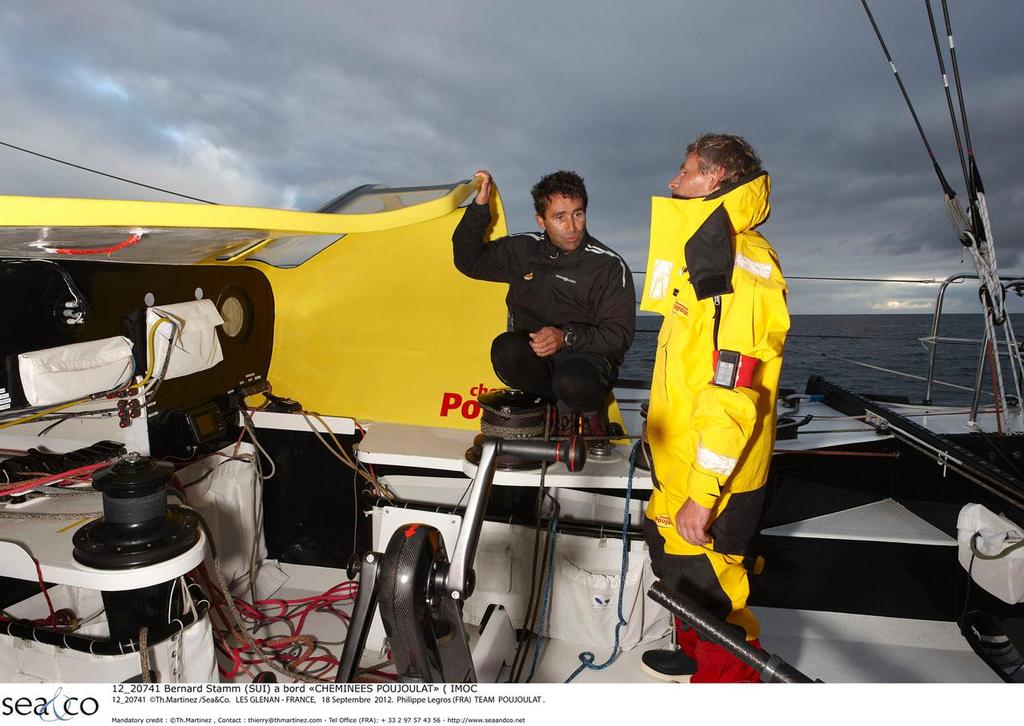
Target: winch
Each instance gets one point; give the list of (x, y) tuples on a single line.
[(511, 414), (137, 528)]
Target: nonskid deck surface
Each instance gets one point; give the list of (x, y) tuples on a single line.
[(847, 648), (954, 419), (833, 647)]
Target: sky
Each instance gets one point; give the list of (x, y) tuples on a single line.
[(289, 104)]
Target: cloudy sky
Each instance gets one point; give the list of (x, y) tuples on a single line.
[(290, 103)]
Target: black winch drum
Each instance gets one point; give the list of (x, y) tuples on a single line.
[(137, 529), (510, 414)]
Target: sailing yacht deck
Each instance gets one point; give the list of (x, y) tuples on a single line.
[(832, 647)]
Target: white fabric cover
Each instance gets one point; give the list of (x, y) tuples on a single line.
[(224, 493), (1004, 577), (584, 606), (26, 661), (197, 346), (68, 372)]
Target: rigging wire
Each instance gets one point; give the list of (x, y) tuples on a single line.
[(932, 281), (103, 173), (949, 97), (981, 226), (974, 233), (974, 186), (879, 368), (910, 281), (946, 188)]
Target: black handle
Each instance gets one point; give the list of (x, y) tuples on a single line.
[(772, 669), (572, 452)]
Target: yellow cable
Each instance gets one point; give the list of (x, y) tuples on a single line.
[(69, 404), (152, 349)]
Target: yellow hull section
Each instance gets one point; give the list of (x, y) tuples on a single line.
[(379, 325)]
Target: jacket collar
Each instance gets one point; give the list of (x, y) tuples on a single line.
[(721, 215), (551, 252)]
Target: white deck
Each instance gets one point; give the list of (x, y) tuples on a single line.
[(832, 647), (49, 542), (953, 420), (424, 447), (881, 521)]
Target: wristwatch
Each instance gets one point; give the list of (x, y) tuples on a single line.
[(570, 338)]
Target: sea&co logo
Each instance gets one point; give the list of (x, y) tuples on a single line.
[(58, 707)]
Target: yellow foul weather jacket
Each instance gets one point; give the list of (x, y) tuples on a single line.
[(713, 277)]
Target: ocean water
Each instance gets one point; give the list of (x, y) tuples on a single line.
[(835, 346)]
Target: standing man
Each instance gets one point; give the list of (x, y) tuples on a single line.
[(711, 421), (570, 298)]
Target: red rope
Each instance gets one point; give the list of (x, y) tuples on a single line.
[(33, 483), (995, 388), (42, 586), (132, 239)]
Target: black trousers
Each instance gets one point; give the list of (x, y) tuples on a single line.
[(580, 380)]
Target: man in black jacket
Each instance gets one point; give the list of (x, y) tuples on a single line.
[(570, 298)]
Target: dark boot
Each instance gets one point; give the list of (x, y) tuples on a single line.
[(595, 429), (567, 422), (668, 665)]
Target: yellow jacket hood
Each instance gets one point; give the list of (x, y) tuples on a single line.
[(709, 229)]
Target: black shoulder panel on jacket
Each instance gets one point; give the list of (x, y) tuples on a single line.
[(710, 256)]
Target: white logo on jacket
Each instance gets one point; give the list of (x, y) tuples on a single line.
[(660, 276)]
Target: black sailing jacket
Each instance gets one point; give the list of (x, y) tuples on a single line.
[(588, 291)]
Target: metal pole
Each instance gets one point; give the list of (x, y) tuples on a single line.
[(935, 334), (978, 379)]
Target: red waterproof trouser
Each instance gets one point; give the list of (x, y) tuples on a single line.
[(714, 663)]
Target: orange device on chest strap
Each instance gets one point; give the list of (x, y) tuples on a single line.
[(733, 369)]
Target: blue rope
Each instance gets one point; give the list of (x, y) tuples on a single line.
[(553, 539), (586, 657)]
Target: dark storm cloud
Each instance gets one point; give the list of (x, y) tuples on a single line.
[(290, 104)]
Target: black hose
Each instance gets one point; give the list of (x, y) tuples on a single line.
[(771, 668)]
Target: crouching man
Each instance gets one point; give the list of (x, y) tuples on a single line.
[(570, 299)]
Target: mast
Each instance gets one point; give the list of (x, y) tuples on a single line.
[(974, 230)]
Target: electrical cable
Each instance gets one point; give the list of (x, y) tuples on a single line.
[(78, 297), (250, 429), (529, 619), (548, 583), (379, 488), (1005, 552)]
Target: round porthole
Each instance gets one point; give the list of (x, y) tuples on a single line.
[(236, 311), (234, 316)]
